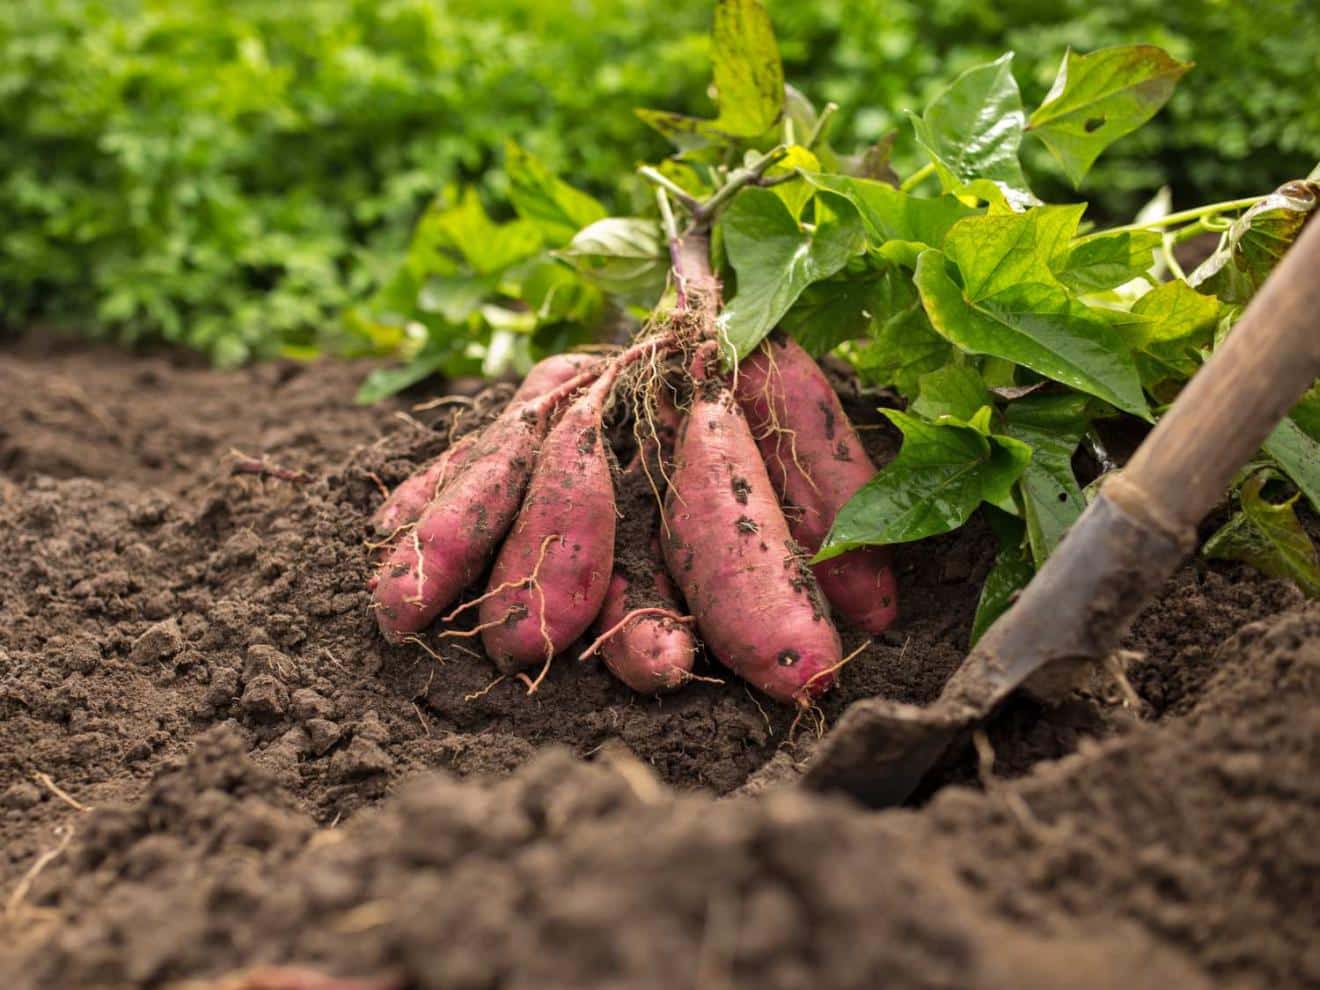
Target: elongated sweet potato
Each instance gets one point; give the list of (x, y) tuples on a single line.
[(817, 463), (651, 652), (405, 504), (454, 539), (408, 501), (550, 577), (728, 547)]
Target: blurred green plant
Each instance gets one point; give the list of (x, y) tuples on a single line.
[(235, 174)]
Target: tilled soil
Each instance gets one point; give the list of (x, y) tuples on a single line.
[(210, 761)]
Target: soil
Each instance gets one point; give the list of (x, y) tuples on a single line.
[(210, 761)]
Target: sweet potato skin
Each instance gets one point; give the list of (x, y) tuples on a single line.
[(456, 535), (550, 373), (728, 548), (408, 501), (817, 463), (564, 536), (652, 654)]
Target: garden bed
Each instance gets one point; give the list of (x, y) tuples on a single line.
[(186, 649)]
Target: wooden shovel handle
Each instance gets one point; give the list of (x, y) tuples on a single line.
[(1236, 400)]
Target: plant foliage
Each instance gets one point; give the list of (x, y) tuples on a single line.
[(231, 174)]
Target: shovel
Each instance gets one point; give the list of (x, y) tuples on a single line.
[(1116, 556)]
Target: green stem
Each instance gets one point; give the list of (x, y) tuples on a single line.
[(1166, 248), (739, 177), (666, 216), (1206, 225), (1173, 219), (822, 122), (690, 202), (917, 177)]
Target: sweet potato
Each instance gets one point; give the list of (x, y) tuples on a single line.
[(455, 537), (408, 501), (405, 504), (817, 463), (652, 652), (728, 547), (550, 577)]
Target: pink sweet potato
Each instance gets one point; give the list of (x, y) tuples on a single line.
[(552, 372), (408, 501), (550, 577), (405, 504), (817, 463), (728, 547), (454, 539), (652, 653)]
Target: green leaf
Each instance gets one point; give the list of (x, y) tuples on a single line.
[(623, 255), (1306, 413), (1253, 245), (556, 293), (942, 473), (1033, 324), (1051, 426), (1098, 98), (384, 382), (891, 215), (973, 130), (776, 258), (1012, 571), (1177, 322), (539, 196), (455, 297), (836, 310), (1299, 457), (955, 390), (488, 247), (1004, 250), (1269, 537), (1106, 261), (796, 194), (749, 79), (903, 344)]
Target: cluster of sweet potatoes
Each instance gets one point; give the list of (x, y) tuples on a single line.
[(732, 480)]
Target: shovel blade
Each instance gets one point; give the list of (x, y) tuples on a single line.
[(880, 751)]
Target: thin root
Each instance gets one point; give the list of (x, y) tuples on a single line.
[(636, 613), (803, 711), (388, 540), (444, 400), (469, 633), (44, 779), (414, 638), (689, 676), (776, 427), (802, 691), (526, 582), (246, 464), (484, 691), (421, 571), (20, 892)]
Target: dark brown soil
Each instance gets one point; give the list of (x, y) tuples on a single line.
[(188, 652)]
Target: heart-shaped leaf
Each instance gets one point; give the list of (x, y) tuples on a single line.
[(1098, 98)]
